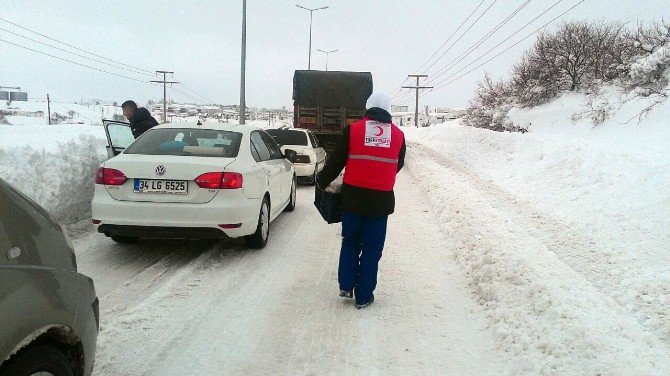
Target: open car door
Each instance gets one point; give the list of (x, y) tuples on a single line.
[(119, 136)]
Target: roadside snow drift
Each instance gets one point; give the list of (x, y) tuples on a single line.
[(564, 232), (54, 165)]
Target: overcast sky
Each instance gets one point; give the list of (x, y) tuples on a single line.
[(200, 42)]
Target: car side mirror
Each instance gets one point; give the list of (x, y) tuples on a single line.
[(290, 155)]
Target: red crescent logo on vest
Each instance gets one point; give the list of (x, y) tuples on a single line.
[(381, 131)]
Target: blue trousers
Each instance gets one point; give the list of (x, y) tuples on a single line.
[(362, 244)]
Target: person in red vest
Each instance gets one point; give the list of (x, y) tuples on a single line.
[(372, 151)]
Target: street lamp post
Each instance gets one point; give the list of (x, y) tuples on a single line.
[(311, 12), (243, 100), (327, 53)]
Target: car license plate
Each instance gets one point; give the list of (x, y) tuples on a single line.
[(161, 186)]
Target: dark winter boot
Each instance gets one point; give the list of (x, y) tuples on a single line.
[(361, 306), (347, 294)]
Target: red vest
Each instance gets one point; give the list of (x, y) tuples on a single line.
[(373, 154)]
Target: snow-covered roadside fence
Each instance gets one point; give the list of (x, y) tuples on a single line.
[(61, 180)]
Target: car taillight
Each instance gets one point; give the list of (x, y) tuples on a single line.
[(231, 180), (219, 180), (211, 180), (110, 176)]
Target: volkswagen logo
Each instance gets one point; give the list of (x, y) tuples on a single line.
[(160, 170)]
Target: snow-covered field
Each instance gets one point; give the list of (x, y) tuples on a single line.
[(539, 253), (75, 113)]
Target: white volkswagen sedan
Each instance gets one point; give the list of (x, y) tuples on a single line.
[(311, 157), (187, 180)]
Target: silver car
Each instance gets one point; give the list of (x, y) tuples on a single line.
[(48, 311)]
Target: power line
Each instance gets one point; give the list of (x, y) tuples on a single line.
[(196, 93), (452, 35), (443, 83), (73, 62), (197, 101), (440, 72), (440, 84), (75, 54), (71, 46), (457, 40), (462, 35), (399, 89), (486, 37)]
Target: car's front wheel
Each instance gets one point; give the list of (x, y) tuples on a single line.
[(260, 238), (37, 360)]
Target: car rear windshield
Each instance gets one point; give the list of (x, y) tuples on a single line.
[(288, 137), (182, 141)]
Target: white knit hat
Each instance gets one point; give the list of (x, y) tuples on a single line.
[(379, 99)]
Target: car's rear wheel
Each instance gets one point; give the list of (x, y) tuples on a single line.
[(42, 360), (312, 181), (260, 238), (291, 203), (124, 239)]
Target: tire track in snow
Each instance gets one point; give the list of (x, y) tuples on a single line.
[(421, 321), (606, 268), (235, 311), (183, 316), (552, 317)]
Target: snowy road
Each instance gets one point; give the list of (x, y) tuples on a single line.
[(205, 308)]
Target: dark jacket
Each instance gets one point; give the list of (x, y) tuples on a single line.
[(361, 201), (141, 122)]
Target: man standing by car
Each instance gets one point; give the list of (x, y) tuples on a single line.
[(373, 151), (140, 119)]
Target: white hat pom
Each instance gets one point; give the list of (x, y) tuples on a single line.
[(379, 99)]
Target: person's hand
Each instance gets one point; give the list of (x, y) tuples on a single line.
[(333, 189)]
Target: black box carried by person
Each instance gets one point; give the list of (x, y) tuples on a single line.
[(329, 205)]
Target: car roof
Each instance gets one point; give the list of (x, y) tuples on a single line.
[(288, 129), (231, 127)]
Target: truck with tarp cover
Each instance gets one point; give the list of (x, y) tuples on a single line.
[(325, 102)]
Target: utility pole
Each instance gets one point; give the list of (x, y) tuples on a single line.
[(164, 82), (49, 108), (243, 102), (417, 88)]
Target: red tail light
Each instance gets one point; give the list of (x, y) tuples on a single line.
[(231, 180), (211, 180), (110, 176), (219, 180)]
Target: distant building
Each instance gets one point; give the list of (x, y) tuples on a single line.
[(396, 108), (406, 119), (18, 96)]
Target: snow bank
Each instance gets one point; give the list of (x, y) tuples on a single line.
[(74, 113), (54, 165), (46, 137), (577, 280)]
